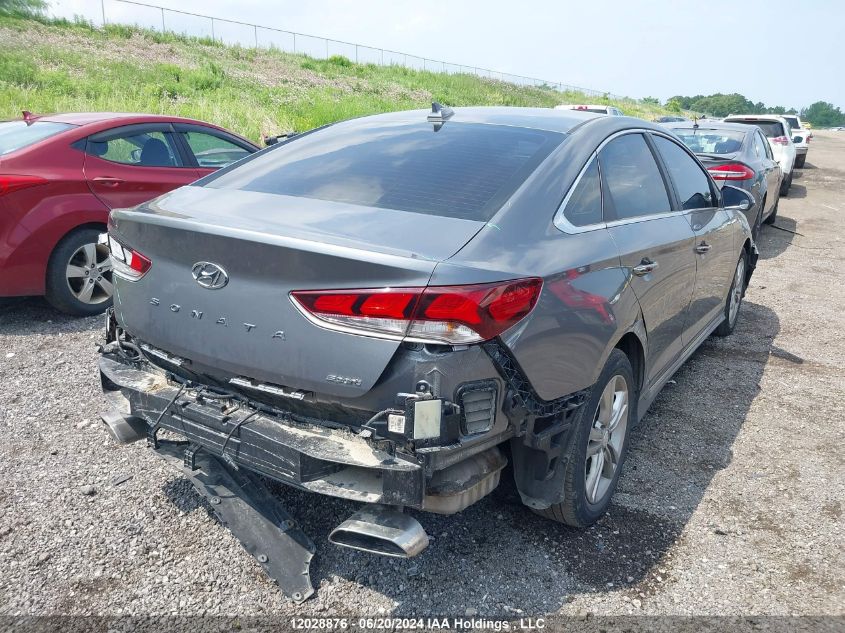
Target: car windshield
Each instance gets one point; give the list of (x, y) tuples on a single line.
[(711, 141), (15, 135), (793, 122), (461, 170)]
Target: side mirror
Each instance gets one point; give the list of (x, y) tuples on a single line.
[(736, 198)]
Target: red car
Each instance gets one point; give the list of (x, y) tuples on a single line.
[(60, 175)]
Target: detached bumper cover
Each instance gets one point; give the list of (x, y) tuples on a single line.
[(310, 457)]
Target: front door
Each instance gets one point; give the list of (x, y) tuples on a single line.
[(714, 248)]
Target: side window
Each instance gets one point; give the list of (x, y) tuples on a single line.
[(584, 205), (142, 149), (691, 183), (765, 145), (633, 184), (213, 151)]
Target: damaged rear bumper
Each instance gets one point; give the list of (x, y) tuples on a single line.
[(314, 458)]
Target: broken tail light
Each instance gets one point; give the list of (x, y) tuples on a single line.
[(127, 263), (436, 314)]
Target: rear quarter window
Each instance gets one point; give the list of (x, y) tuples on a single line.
[(462, 170), (15, 135)]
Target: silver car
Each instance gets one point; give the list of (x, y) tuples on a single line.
[(392, 308)]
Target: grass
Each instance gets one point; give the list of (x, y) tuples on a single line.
[(60, 66)]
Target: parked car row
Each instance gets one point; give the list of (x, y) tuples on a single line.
[(61, 175)]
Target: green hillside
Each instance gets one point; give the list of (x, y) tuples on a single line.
[(59, 66)]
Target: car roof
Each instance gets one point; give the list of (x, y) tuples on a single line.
[(85, 118), (758, 117), (546, 119), (710, 125)]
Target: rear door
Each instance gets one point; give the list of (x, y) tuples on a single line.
[(128, 165), (208, 149), (714, 246), (655, 243)]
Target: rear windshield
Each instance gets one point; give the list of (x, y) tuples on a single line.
[(711, 141), (15, 135), (462, 170), (771, 129)]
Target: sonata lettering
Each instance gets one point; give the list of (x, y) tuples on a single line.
[(224, 321)]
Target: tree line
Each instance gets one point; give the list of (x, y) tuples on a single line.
[(819, 114)]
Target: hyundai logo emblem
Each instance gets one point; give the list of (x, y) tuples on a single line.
[(209, 275)]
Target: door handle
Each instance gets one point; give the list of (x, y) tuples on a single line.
[(645, 267), (702, 248), (108, 181)]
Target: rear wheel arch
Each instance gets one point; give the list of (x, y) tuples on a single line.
[(632, 346)]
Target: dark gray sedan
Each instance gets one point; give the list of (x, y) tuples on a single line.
[(391, 308), (739, 155)]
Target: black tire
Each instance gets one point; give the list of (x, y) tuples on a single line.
[(576, 509), (758, 221), (773, 215), (59, 291), (800, 160), (727, 326), (786, 184)]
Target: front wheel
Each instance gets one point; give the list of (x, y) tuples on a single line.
[(596, 453), (79, 274), (734, 300)]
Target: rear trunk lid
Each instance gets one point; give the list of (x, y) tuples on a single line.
[(268, 245)]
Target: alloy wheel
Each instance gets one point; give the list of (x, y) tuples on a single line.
[(607, 437), (736, 290), (89, 274)]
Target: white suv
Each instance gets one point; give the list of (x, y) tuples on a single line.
[(801, 136), (598, 109), (779, 134)]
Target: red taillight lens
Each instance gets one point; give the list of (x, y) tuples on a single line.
[(437, 314), (126, 262), (731, 171), (780, 140), (12, 182)]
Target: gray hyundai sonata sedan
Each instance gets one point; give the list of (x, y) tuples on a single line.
[(391, 309)]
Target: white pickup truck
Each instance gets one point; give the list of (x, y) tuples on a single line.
[(800, 136)]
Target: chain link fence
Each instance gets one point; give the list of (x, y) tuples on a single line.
[(163, 19)]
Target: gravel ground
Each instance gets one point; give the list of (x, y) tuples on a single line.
[(731, 502)]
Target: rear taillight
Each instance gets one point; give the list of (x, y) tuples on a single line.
[(780, 140), (12, 182), (731, 171), (128, 263), (437, 314)]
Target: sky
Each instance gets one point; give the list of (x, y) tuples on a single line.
[(781, 53)]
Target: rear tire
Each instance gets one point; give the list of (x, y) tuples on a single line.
[(758, 221), (602, 430), (79, 278), (773, 215), (799, 160), (734, 301), (786, 184)]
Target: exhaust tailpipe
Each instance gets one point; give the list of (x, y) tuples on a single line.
[(124, 429), (381, 530)]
